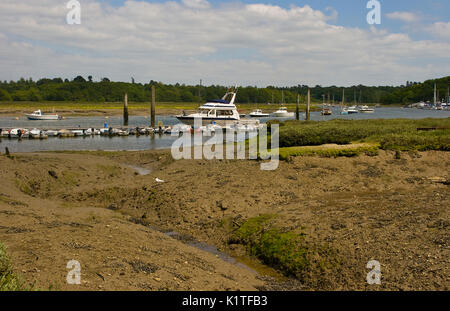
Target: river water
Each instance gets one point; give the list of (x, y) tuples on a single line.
[(154, 141)]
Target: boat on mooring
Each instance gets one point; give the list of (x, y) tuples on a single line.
[(220, 111), (258, 113), (326, 112), (283, 113), (352, 110), (366, 109), (38, 115)]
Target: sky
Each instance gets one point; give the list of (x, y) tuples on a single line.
[(234, 42)]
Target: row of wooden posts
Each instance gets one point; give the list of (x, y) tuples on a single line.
[(153, 116), (308, 107), (152, 109)]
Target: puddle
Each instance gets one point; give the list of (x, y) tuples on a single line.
[(209, 249)]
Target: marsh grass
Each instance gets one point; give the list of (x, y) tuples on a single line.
[(285, 251), (9, 281), (391, 134)]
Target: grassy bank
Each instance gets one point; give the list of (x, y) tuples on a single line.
[(286, 250), (9, 281), (394, 134)]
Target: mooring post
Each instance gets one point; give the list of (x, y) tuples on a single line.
[(152, 110), (125, 110), (308, 105), (297, 108)]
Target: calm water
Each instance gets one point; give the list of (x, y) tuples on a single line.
[(154, 141)]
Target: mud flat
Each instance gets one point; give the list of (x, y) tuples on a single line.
[(333, 215)]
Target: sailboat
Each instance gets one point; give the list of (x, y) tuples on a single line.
[(344, 109)]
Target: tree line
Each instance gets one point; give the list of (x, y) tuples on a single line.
[(86, 90)]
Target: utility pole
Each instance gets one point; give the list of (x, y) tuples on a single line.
[(297, 108)]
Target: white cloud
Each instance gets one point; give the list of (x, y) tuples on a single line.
[(196, 4), (407, 17), (440, 30), (231, 43)]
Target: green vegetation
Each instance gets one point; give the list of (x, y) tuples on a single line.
[(396, 134), (9, 281), (82, 90), (285, 251), (330, 151)]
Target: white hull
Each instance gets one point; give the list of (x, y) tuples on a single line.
[(43, 117), (263, 115), (284, 115)]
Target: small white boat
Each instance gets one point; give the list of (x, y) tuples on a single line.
[(38, 115), (352, 110), (51, 133), (283, 113), (65, 133), (78, 132), (4, 133), (366, 109), (257, 113), (37, 134)]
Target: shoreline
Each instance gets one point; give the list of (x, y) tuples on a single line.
[(379, 205)]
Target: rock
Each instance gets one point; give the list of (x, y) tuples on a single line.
[(53, 174), (221, 205)]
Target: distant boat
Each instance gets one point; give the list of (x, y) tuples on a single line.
[(257, 113), (283, 113), (352, 110), (326, 112), (366, 109), (38, 115)]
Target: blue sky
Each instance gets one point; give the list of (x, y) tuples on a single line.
[(246, 42)]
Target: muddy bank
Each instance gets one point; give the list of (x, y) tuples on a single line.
[(347, 210)]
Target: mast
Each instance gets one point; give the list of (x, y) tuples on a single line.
[(448, 95), (343, 97), (434, 102)]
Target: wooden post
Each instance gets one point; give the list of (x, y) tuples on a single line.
[(297, 108), (125, 110), (308, 105), (152, 110)]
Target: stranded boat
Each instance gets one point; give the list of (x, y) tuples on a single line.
[(38, 115), (221, 111)]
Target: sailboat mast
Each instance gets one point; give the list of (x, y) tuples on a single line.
[(434, 102)]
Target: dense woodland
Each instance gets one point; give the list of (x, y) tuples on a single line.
[(86, 90)]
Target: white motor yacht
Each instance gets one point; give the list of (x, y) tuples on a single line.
[(221, 111)]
